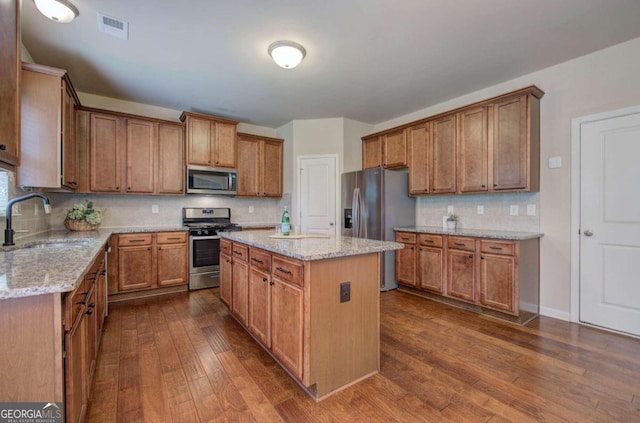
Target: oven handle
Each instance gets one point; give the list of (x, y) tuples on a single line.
[(198, 237)]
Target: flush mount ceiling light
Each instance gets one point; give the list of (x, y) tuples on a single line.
[(287, 54), (57, 10)]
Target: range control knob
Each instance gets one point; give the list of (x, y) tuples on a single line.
[(206, 232), (199, 232)]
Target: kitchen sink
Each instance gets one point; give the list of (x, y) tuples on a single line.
[(59, 244)]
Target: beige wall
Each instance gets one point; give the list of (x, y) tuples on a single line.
[(598, 82), (338, 136)]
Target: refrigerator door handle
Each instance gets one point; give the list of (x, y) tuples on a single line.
[(355, 213), (362, 216)]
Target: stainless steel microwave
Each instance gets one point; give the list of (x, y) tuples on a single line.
[(211, 180)]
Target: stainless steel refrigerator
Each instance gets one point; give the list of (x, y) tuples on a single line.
[(374, 201)]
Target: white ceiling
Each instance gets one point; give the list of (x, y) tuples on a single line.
[(367, 60)]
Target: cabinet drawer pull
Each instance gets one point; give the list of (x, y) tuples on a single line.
[(137, 240), (405, 238), (430, 241), (237, 252), (496, 248), (257, 260), (285, 271), (460, 244), (174, 238)]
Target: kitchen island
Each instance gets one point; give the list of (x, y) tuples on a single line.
[(313, 304)]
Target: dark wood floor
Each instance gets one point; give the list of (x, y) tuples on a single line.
[(182, 358)]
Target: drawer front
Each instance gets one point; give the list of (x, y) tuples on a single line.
[(458, 243), (406, 237), (431, 240), (260, 259), (288, 270), (241, 252), (497, 247), (171, 237), (135, 239), (225, 246)]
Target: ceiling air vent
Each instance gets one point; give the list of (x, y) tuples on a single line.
[(113, 26)]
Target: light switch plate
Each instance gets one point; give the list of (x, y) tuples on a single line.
[(555, 162), (531, 209), (480, 209), (449, 209), (514, 210)]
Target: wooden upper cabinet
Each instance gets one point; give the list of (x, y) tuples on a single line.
[(105, 153), (473, 150), (394, 149), (511, 144), (10, 83), (224, 145), (140, 156), (70, 161), (260, 166), (443, 155), (418, 140), (170, 164), (272, 168), (211, 141), (48, 140), (371, 152), (199, 142)]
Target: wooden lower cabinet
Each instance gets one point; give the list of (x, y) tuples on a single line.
[(135, 268), (148, 261), (287, 319), (461, 275), (240, 290), (430, 269), (76, 372), (260, 285), (406, 259), (494, 274), (294, 312)]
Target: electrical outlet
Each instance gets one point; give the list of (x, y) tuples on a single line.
[(250, 209), (345, 292), (514, 210), (449, 209), (531, 209), (480, 209), (155, 209)]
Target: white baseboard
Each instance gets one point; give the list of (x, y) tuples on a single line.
[(556, 314)]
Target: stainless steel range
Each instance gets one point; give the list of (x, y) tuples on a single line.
[(204, 243)]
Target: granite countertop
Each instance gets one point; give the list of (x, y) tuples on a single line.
[(477, 233), (312, 248), (257, 225), (26, 271)]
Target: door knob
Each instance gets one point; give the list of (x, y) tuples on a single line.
[(588, 233), (330, 223)]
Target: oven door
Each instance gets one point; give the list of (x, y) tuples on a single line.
[(204, 254)]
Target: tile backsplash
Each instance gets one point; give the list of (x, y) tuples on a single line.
[(129, 210), (496, 216)]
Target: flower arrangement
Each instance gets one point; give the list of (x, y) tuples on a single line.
[(452, 218), (83, 217)]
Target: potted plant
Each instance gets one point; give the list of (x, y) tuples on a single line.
[(451, 222), (83, 217)]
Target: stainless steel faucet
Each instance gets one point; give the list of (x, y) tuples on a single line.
[(8, 232)]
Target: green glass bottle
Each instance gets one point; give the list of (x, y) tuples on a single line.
[(286, 226)]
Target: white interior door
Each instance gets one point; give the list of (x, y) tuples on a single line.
[(610, 223), (317, 194)]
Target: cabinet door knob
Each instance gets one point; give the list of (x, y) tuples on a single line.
[(264, 279), (470, 256), (3, 147), (271, 283)]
